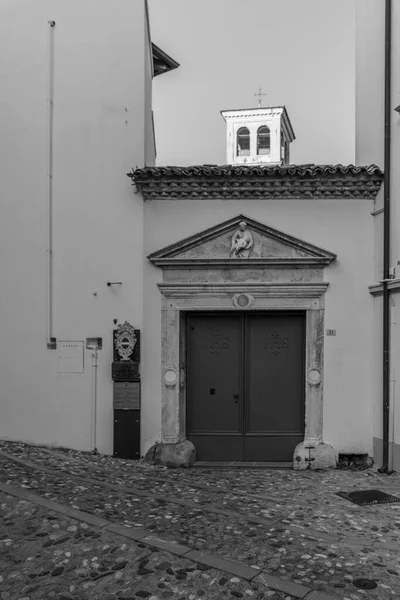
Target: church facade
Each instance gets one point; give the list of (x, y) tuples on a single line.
[(257, 311)]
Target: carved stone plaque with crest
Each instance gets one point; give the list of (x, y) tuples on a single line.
[(126, 343)]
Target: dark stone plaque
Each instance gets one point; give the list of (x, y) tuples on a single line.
[(125, 371), (127, 434), (126, 395)]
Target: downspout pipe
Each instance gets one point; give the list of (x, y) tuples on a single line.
[(386, 239), (51, 340)]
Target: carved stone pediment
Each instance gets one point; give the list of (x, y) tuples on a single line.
[(241, 242)]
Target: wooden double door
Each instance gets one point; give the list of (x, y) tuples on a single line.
[(245, 385)]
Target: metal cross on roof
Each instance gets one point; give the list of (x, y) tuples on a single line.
[(259, 94)]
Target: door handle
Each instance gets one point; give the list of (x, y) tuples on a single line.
[(236, 396)]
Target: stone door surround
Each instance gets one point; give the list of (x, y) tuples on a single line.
[(281, 273)]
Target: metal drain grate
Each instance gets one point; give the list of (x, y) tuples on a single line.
[(366, 497)]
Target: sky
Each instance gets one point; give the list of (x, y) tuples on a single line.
[(301, 53)]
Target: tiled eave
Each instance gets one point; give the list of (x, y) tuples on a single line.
[(258, 182)]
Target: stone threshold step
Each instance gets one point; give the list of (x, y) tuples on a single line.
[(237, 464)]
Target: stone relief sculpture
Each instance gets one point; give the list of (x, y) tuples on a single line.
[(242, 242), (125, 340)]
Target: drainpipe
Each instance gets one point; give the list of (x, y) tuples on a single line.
[(51, 340), (386, 240), (94, 400), (392, 422)]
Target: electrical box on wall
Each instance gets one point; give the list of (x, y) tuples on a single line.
[(94, 343), (70, 357)]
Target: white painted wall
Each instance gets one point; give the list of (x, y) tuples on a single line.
[(99, 134), (341, 226), (370, 65), (149, 133), (369, 89)]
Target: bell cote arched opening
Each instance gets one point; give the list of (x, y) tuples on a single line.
[(243, 142), (263, 140)]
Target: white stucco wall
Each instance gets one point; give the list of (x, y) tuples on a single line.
[(341, 226), (99, 108), (369, 88), (395, 142), (149, 134), (370, 68)]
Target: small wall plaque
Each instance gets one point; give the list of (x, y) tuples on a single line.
[(331, 332)]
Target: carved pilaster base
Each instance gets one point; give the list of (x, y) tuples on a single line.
[(314, 455)]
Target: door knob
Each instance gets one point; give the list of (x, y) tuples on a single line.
[(236, 395)]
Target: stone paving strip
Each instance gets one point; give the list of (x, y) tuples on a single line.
[(294, 515), (51, 551), (149, 491), (101, 465), (289, 548), (241, 482)]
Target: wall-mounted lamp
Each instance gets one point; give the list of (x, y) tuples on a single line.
[(397, 109), (110, 283)]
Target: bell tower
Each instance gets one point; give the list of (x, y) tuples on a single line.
[(258, 135)]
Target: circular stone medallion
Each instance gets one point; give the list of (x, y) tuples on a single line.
[(314, 376), (170, 378), (243, 300)]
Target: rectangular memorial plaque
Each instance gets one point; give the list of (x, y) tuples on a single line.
[(125, 371), (126, 395)]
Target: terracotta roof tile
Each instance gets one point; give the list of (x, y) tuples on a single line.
[(239, 181)]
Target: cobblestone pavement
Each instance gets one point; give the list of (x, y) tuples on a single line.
[(289, 526)]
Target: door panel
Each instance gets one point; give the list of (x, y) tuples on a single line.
[(275, 374), (214, 374)]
